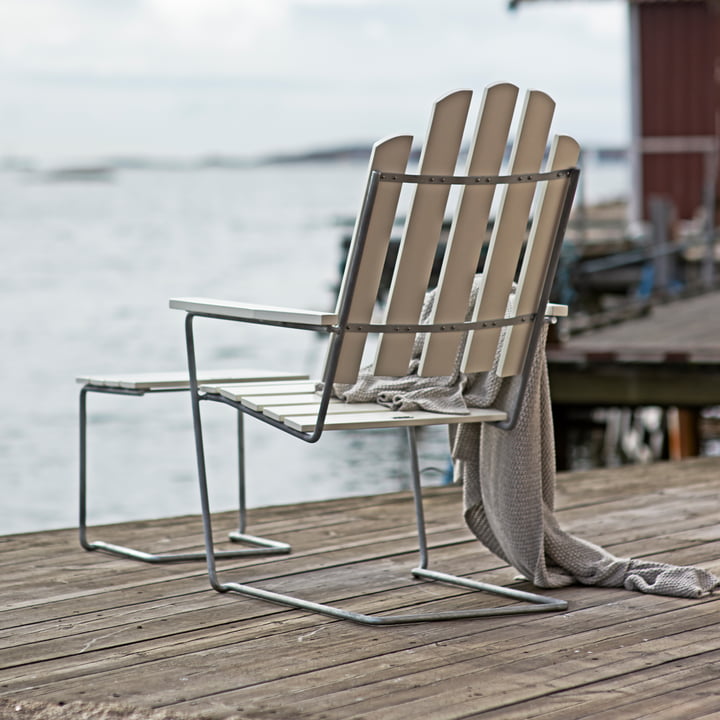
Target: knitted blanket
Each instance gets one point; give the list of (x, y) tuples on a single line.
[(508, 478)]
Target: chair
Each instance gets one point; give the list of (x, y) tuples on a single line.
[(527, 198), (138, 385)]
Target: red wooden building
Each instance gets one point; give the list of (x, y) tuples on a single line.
[(675, 103), (675, 86)]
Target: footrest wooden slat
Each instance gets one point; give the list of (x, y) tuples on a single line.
[(179, 380)]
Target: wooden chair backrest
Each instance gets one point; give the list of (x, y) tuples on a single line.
[(537, 204)]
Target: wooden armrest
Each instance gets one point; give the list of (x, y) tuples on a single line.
[(247, 311), (556, 310)]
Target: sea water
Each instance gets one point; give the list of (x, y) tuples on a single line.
[(87, 270)]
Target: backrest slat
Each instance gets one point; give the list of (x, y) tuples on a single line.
[(389, 156), (506, 204), (509, 231), (564, 153), (422, 232), (468, 229)]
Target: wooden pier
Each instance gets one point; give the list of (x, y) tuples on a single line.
[(88, 635), (668, 357)]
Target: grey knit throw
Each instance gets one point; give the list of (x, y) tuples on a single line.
[(508, 478)]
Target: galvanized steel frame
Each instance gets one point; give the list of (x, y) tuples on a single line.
[(259, 545), (532, 603)]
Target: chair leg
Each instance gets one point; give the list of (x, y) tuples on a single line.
[(533, 603), (260, 545), (265, 546), (538, 603)]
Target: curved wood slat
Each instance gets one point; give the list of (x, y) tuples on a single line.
[(467, 233), (422, 231), (509, 230), (390, 156), (564, 153)]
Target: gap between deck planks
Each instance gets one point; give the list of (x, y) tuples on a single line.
[(159, 637)]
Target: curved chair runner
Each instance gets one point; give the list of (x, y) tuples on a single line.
[(527, 198)]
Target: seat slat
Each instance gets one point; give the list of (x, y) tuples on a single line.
[(422, 232), (235, 390), (389, 156), (336, 407), (564, 153), (260, 402), (464, 246), (509, 231), (391, 418)]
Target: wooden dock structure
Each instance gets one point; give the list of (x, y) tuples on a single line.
[(668, 357), (88, 635)]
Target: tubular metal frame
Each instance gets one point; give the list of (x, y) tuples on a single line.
[(260, 545), (532, 603)]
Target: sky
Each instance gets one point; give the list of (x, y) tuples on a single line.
[(182, 78)]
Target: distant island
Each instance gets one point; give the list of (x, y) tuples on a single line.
[(104, 169)]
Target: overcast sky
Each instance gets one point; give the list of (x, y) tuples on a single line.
[(89, 78)]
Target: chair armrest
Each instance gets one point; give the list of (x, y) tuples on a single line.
[(556, 310), (256, 313)]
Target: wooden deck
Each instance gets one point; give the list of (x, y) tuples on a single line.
[(80, 630)]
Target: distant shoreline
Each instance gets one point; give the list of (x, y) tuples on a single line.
[(349, 153)]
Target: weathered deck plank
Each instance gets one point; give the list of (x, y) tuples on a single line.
[(88, 626)]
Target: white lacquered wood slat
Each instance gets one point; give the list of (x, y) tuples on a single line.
[(248, 311), (236, 390), (422, 232), (564, 153), (509, 231), (390, 156), (467, 233), (260, 402), (180, 380), (392, 418), (336, 407)]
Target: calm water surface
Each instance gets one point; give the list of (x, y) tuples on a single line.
[(87, 271)]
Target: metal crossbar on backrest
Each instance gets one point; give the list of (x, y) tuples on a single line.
[(527, 198)]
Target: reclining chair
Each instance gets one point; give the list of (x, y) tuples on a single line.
[(518, 263)]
